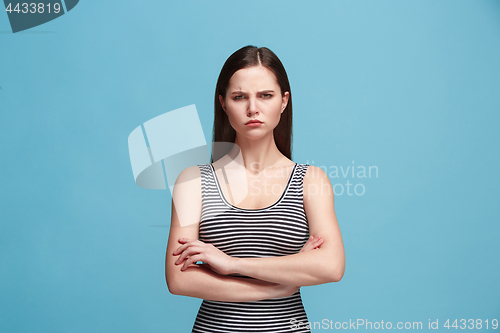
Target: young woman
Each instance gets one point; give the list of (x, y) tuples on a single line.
[(242, 227)]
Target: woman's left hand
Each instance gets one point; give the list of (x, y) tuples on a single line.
[(193, 251)]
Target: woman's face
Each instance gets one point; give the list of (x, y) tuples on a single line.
[(254, 94)]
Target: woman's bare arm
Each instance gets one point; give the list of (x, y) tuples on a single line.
[(323, 265)]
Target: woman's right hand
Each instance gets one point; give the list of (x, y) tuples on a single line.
[(311, 244)]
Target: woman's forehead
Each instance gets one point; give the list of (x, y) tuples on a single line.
[(251, 78)]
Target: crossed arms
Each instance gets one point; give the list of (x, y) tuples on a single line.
[(321, 260)]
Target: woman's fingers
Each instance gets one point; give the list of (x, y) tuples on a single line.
[(191, 260), (317, 242), (183, 240), (312, 243), (308, 244), (193, 250), (188, 252), (186, 243)]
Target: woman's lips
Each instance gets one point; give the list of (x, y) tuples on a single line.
[(253, 124)]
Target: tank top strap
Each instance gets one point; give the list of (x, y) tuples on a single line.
[(212, 204), (301, 171), (209, 182), (296, 187)]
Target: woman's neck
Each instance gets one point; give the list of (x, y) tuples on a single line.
[(259, 154)]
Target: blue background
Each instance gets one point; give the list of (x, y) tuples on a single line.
[(411, 87)]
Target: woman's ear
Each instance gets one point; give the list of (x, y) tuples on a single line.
[(284, 101), (221, 100)]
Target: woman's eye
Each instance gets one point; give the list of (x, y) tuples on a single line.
[(267, 95), (238, 97)]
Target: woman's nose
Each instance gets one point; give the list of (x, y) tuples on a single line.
[(252, 107)]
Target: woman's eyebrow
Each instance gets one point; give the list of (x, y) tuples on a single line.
[(259, 92)]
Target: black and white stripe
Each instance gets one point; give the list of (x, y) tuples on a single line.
[(278, 230)]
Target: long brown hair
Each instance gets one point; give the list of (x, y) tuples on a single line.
[(249, 56)]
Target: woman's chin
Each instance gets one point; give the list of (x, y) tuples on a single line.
[(253, 135)]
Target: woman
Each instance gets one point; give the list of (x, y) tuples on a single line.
[(250, 216)]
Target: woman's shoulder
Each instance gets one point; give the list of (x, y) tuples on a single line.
[(186, 197), (315, 174), (190, 172)]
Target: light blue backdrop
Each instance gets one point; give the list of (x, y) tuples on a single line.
[(411, 87)]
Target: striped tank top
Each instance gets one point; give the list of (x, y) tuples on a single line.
[(277, 230)]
